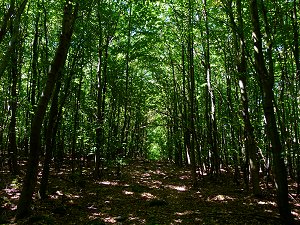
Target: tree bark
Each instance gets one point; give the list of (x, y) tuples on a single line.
[(30, 179), (49, 141), (250, 143), (10, 50), (6, 20), (12, 142), (192, 111), (266, 80), (210, 101)]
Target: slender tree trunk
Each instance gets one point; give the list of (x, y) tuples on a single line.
[(12, 142), (99, 105), (250, 144), (35, 63), (296, 52), (10, 50), (185, 107), (102, 88), (266, 80), (49, 142), (210, 105), (30, 179), (124, 131), (176, 136), (75, 125), (6, 20), (12, 55), (192, 112)]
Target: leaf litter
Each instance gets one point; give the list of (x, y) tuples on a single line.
[(146, 193)]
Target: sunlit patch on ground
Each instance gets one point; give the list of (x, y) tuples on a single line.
[(109, 220), (159, 172), (148, 196), (60, 193), (109, 183), (177, 188), (103, 216), (266, 203), (222, 198), (71, 196), (178, 220), (92, 207), (137, 220), (296, 214), (12, 193), (184, 177), (54, 197), (188, 212), (127, 192), (153, 184)]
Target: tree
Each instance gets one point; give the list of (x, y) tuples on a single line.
[(266, 80), (69, 18), (241, 64)]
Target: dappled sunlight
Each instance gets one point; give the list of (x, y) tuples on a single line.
[(266, 203), (158, 195), (296, 214), (104, 216), (72, 196), (177, 188), (92, 207), (159, 172), (153, 184), (146, 175), (12, 193), (127, 192), (138, 220), (192, 214), (184, 177), (148, 196), (220, 198), (178, 221), (188, 212), (109, 183), (109, 220)]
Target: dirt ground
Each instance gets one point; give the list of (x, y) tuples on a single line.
[(144, 193)]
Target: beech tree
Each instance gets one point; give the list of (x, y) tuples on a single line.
[(266, 80), (69, 18), (212, 85)]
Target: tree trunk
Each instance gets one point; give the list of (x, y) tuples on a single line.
[(75, 125), (30, 179), (10, 49), (266, 80), (12, 142), (49, 141), (6, 19), (192, 111), (102, 88), (210, 104), (250, 143)]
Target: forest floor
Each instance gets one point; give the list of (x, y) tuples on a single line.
[(146, 193)]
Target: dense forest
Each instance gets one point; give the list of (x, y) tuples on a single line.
[(89, 88)]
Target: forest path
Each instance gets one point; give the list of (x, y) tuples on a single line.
[(150, 193)]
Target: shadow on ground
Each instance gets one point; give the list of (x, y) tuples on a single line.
[(146, 193)]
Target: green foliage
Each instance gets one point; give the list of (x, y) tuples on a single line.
[(146, 75)]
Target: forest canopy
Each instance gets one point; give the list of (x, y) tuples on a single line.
[(210, 84)]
